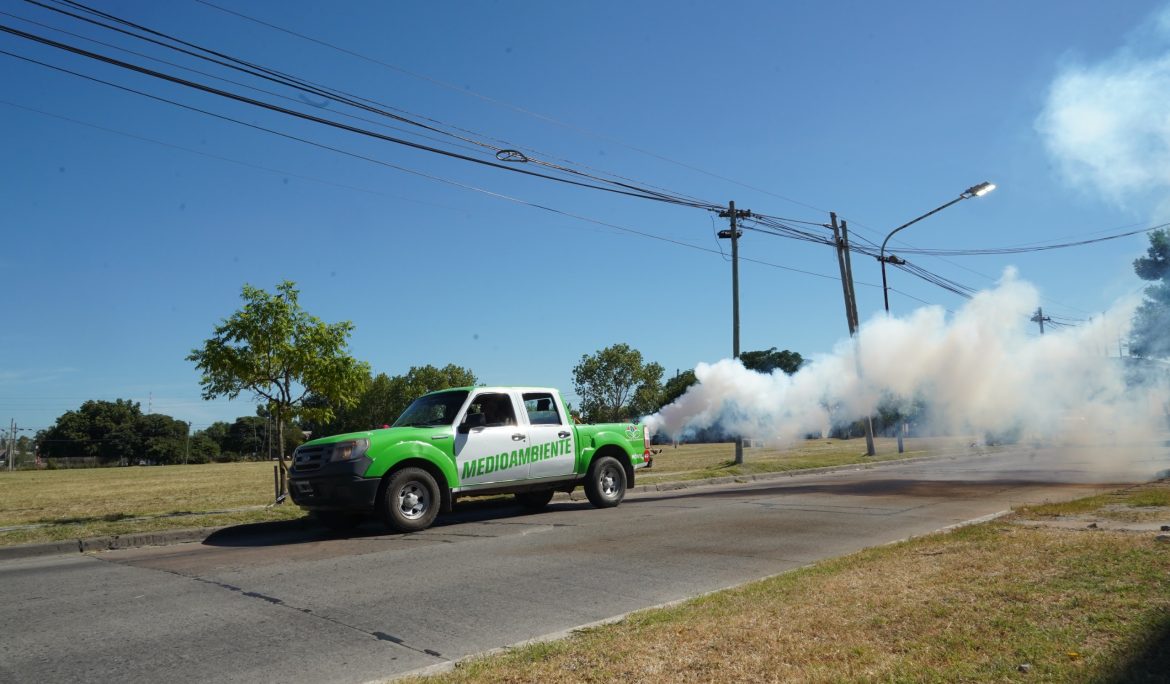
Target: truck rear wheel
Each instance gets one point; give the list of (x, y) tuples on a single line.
[(410, 500), (606, 484), (534, 501)]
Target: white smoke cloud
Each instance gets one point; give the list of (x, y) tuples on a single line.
[(1107, 125), (983, 370)]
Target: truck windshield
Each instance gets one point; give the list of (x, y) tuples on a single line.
[(432, 409)]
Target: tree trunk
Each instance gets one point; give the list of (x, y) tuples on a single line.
[(280, 453)]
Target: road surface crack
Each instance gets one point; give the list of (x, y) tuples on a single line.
[(380, 636)]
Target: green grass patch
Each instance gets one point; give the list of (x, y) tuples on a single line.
[(992, 602)]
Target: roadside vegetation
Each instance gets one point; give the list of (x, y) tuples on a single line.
[(52, 505), (1016, 599)]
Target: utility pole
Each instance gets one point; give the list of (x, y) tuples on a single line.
[(187, 450), (734, 234), (841, 239), (11, 443), (1039, 317)]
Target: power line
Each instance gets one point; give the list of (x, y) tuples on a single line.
[(207, 74), (645, 191), (403, 169), (650, 195), (1032, 248), (507, 105)]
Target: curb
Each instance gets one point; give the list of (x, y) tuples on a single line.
[(200, 534), (110, 543)]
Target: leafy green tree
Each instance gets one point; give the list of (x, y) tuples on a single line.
[(202, 449), (246, 437), (162, 438), (769, 360), (384, 397), (676, 386), (1150, 336), (292, 434), (103, 430), (217, 432), (403, 389), (615, 383), (280, 353)]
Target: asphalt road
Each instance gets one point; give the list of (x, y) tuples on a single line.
[(303, 606)]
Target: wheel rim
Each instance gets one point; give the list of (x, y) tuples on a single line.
[(609, 482), (413, 500)]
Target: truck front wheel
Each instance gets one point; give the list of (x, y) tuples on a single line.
[(606, 483), (410, 500)]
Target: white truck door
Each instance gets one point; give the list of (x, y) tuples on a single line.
[(490, 441), (551, 435)]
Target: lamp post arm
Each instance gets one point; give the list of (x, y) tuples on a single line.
[(928, 214), (882, 258), (973, 191)]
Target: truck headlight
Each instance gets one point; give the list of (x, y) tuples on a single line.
[(348, 451)]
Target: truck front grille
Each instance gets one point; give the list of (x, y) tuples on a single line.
[(308, 459)]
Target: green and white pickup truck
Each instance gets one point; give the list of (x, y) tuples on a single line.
[(462, 442)]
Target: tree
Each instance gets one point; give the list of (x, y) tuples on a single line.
[(383, 397), (101, 430), (217, 432), (769, 360), (1150, 336), (403, 389), (246, 437), (614, 383), (280, 353), (202, 449), (676, 387), (163, 439)]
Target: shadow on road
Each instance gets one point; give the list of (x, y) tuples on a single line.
[(934, 489), (307, 530), (503, 509)]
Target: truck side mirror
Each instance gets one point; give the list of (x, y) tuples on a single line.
[(471, 420)]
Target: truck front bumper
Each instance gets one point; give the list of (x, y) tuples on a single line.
[(334, 487)]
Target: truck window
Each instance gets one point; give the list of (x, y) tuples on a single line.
[(432, 409), (496, 409), (541, 408)]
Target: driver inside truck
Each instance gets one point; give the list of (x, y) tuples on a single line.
[(497, 410)]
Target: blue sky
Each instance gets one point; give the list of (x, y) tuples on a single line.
[(130, 224)]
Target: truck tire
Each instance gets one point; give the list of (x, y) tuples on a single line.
[(606, 483), (536, 500), (409, 501)]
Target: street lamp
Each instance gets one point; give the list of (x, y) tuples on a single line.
[(973, 191)]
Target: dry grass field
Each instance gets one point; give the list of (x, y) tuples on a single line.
[(1013, 600), (51, 505), (86, 502)]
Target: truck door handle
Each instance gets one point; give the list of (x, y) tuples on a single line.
[(563, 434), (518, 437)]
